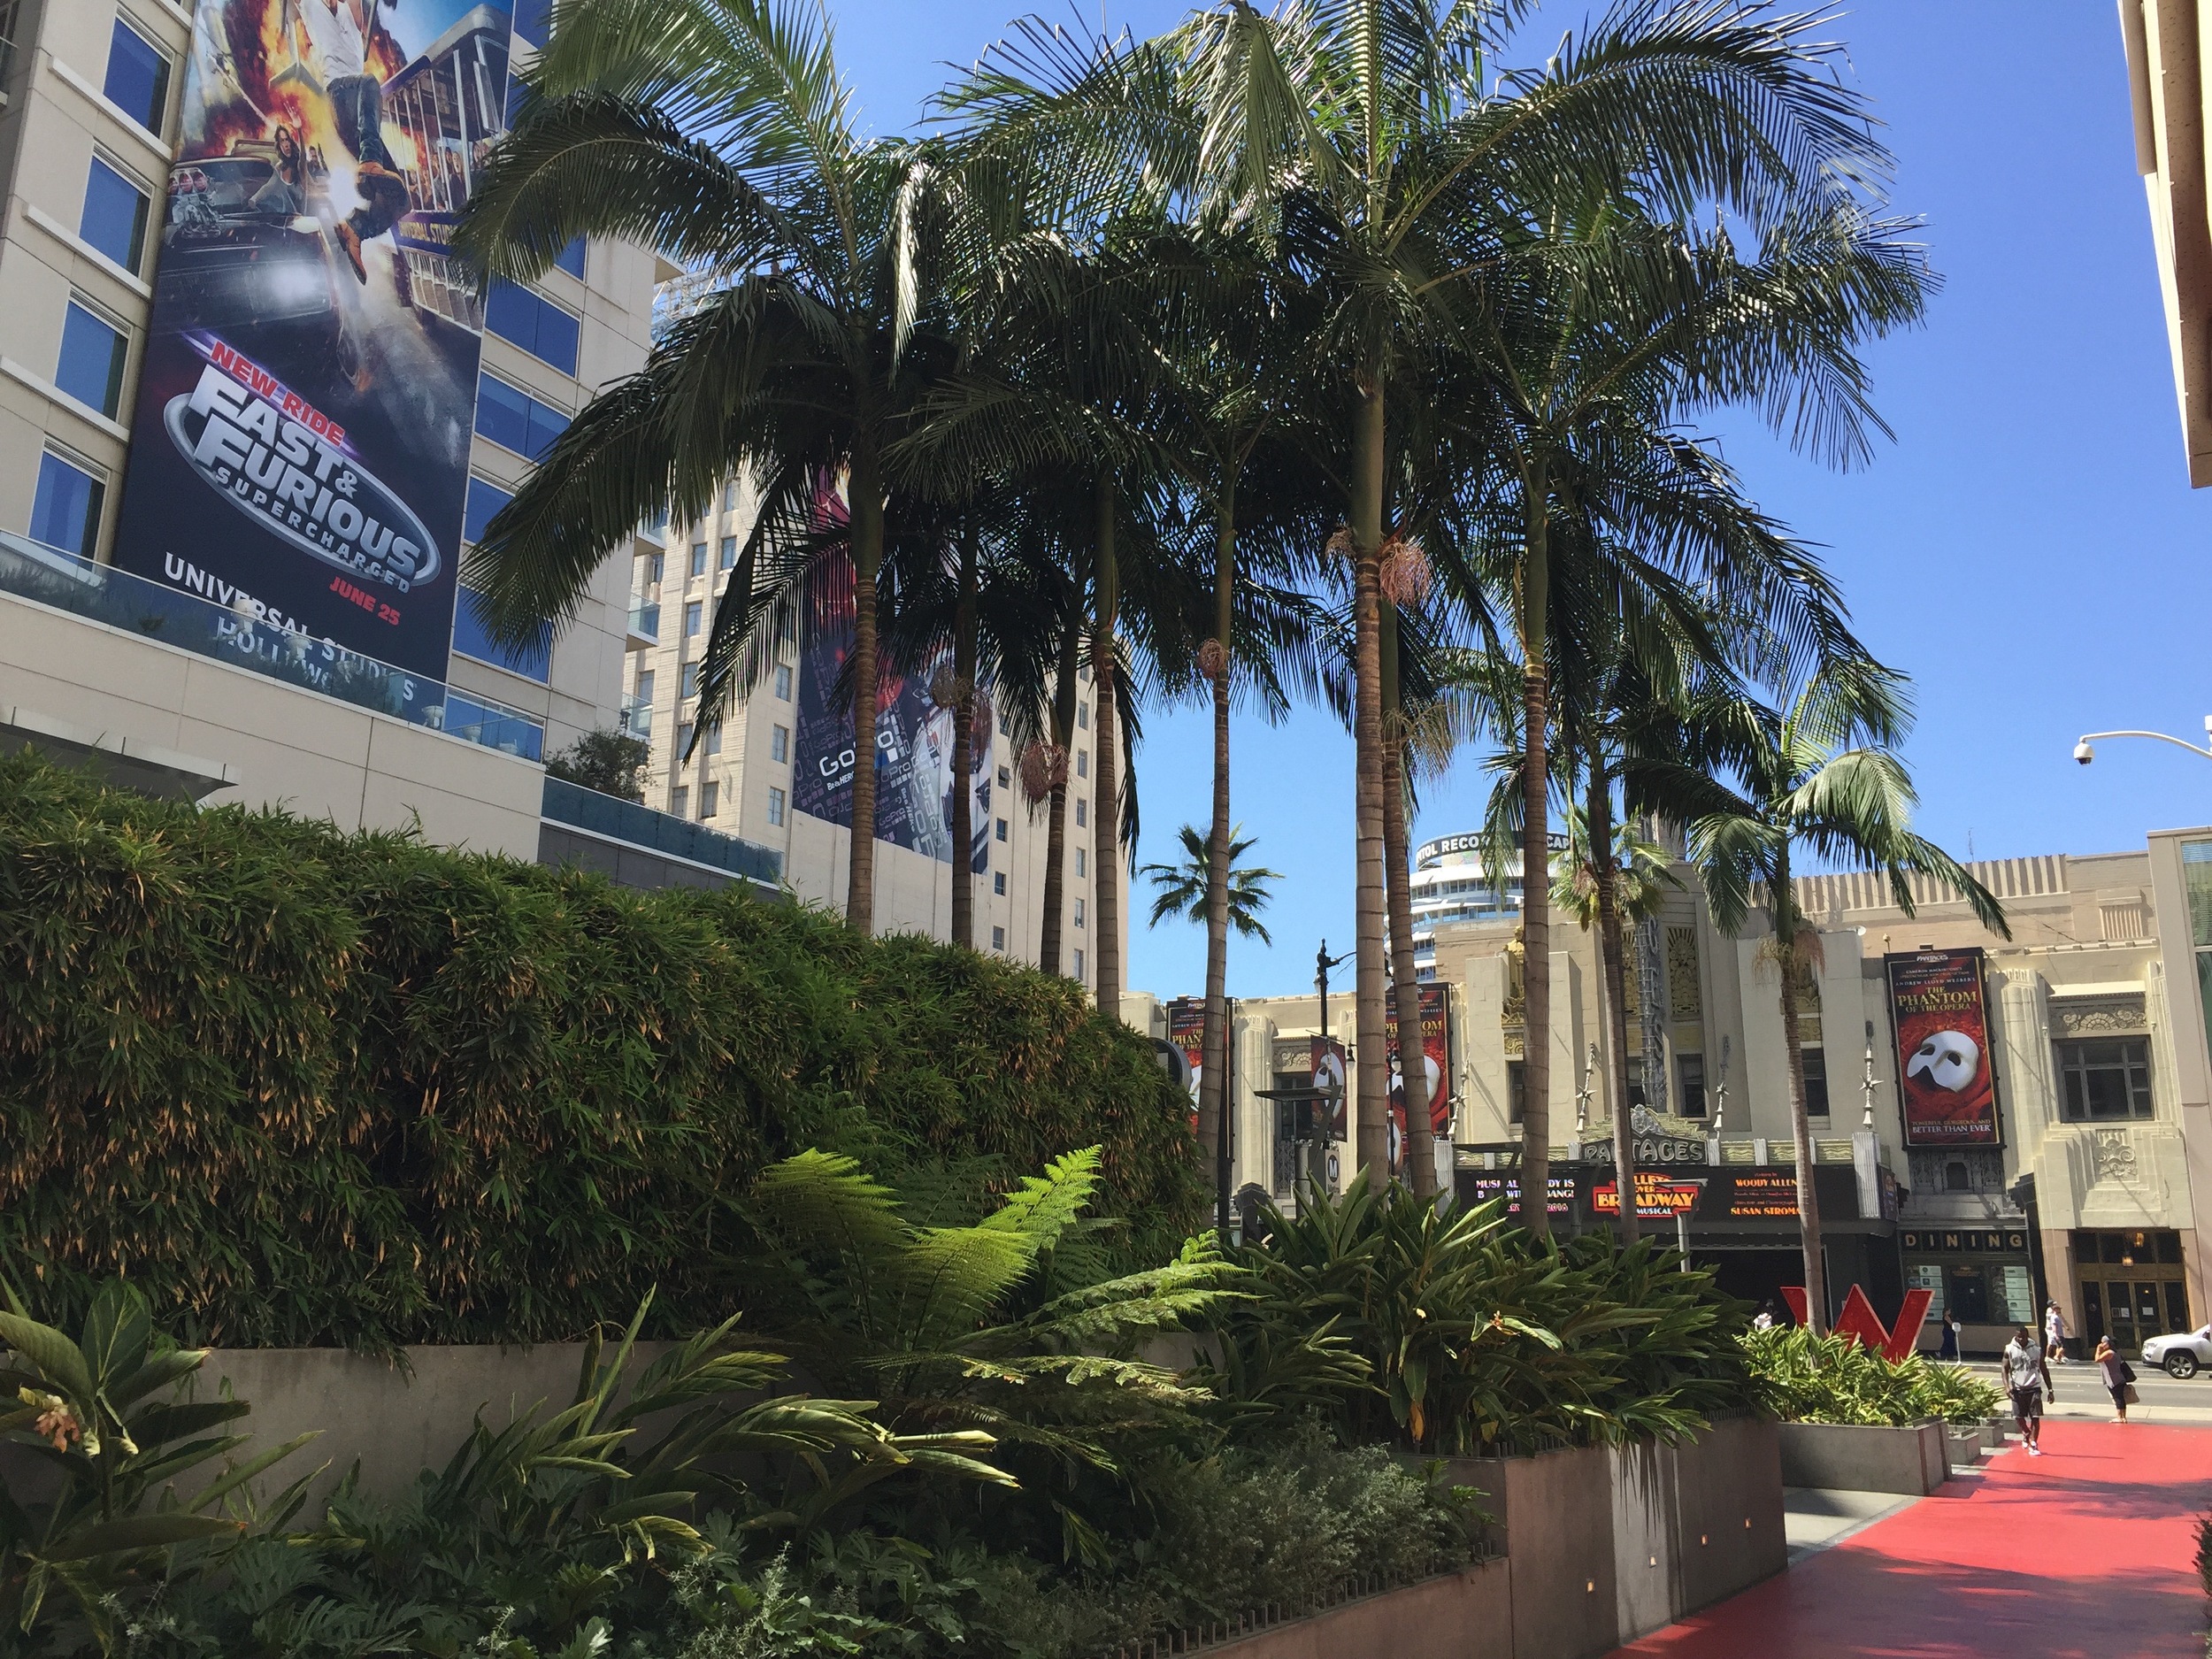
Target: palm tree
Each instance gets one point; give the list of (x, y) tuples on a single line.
[(1815, 770), (1366, 139), (1188, 888), (719, 132)]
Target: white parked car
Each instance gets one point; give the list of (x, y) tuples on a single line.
[(2183, 1353)]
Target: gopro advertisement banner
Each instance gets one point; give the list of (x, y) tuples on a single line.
[(1941, 1013), (299, 448), (914, 777)]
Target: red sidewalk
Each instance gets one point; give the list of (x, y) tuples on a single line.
[(2084, 1553)]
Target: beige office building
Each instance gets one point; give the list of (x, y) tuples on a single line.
[(2096, 1027), (163, 687)]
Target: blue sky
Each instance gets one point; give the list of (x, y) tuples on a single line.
[(2027, 550)]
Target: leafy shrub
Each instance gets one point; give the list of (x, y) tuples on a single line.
[(305, 1088), (1809, 1378), (1451, 1331)]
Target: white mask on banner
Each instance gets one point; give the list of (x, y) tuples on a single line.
[(1948, 1059)]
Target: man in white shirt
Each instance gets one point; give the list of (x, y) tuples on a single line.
[(2054, 1334), (339, 33), (2026, 1374)]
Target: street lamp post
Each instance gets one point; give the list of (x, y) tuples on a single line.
[(2084, 754)]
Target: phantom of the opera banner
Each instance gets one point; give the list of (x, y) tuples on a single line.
[(1945, 1083), (300, 444)]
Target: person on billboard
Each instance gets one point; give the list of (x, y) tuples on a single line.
[(339, 32)]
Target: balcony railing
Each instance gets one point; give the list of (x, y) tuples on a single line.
[(101, 592), (636, 718), (585, 809), (645, 621)]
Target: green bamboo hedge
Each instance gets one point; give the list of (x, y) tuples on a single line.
[(312, 1088)]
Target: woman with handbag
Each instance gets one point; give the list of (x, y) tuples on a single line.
[(2118, 1376)]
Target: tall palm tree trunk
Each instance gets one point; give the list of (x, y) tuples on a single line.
[(1372, 1140), (1598, 819), (964, 749), (1064, 696), (866, 516), (1535, 876), (1105, 793), (1398, 892), (1782, 908), (1212, 1099)]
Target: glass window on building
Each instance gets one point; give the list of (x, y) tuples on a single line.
[(1078, 913), (1005, 778), (532, 322), (1692, 1067), (1083, 710), (570, 258), (998, 941), (2104, 1079), (1082, 814), (1082, 863), (775, 806), (684, 730), (472, 638), (728, 558), (510, 418), (2196, 879), (1001, 830), (680, 800), (710, 799), (729, 496), (714, 738), (694, 613), (1082, 763), (780, 743), (698, 559), (92, 353), (1816, 1083), (65, 510), (645, 685), (115, 216), (484, 501), (137, 79), (998, 883), (783, 684), (1078, 963)]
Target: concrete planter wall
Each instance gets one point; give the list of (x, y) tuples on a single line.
[(1856, 1457), (1459, 1616), (1605, 1544)]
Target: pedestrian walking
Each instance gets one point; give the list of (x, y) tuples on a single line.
[(2054, 1334), (2027, 1373), (1950, 1347), (2119, 1378)]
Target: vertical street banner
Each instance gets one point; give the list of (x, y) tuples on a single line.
[(1187, 1030), (1946, 1086), (1435, 1070), (299, 447), (1332, 1081), (914, 732)]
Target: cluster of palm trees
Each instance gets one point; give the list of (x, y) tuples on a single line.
[(1307, 353)]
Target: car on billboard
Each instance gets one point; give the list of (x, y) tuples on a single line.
[(245, 250), (2182, 1353)]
